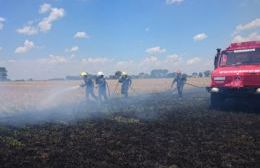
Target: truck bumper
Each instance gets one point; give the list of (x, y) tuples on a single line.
[(235, 92)]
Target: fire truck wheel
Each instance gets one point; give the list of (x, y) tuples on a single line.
[(216, 100)]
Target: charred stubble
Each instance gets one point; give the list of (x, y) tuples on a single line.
[(156, 131)]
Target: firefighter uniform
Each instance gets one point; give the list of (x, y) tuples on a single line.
[(102, 86), (126, 83), (180, 80), (89, 86)]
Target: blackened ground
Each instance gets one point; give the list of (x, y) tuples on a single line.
[(156, 130)]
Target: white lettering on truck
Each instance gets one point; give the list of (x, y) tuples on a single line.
[(245, 50), (241, 71)]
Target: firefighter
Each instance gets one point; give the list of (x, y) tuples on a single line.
[(180, 79), (89, 84), (102, 86), (126, 83)]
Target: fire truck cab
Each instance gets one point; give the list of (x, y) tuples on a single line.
[(236, 73)]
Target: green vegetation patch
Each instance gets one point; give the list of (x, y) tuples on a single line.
[(10, 141)]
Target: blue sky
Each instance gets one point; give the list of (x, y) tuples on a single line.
[(54, 38)]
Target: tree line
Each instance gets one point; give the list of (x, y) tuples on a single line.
[(155, 73)]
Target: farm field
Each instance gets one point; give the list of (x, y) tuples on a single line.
[(20, 97), (48, 124)]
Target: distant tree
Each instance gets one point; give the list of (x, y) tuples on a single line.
[(111, 77), (73, 78), (51, 79), (207, 73), (3, 74), (195, 74), (159, 73), (185, 75), (143, 75), (118, 74), (134, 76), (200, 74), (171, 75)]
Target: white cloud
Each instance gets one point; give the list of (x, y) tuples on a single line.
[(74, 49), (173, 58), (57, 59), (200, 37), (170, 62), (243, 32), (129, 66), (58, 66), (151, 59), (28, 30), (46, 23), (123, 64), (251, 37), (54, 59), (45, 8), (248, 26), (81, 35), (193, 61), (2, 20), (72, 56), (95, 60), (155, 50), (28, 45), (11, 61), (172, 2)]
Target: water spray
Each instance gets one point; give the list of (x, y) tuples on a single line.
[(46, 103)]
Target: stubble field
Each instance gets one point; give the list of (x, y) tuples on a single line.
[(49, 124)]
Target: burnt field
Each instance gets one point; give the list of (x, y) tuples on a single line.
[(147, 130)]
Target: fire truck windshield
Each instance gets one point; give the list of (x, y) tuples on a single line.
[(240, 57)]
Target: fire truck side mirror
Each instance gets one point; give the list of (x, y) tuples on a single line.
[(216, 60)]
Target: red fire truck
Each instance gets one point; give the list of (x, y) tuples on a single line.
[(236, 73)]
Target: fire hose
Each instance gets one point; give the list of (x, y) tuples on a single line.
[(108, 90), (195, 85), (117, 85), (132, 89)]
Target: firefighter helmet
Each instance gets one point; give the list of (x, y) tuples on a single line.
[(100, 74), (178, 71), (83, 74), (124, 74)]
